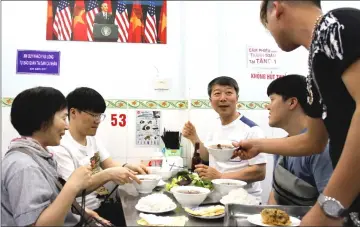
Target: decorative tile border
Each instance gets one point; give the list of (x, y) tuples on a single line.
[(7, 101), (252, 105), (166, 104), (200, 104), (241, 105), (116, 103), (157, 104), (131, 104)]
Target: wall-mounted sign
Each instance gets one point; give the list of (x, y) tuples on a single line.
[(38, 62), (258, 57), (148, 128), (265, 76)]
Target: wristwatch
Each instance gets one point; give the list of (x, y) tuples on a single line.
[(331, 207)]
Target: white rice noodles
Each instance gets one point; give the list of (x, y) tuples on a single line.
[(240, 196), (157, 202)]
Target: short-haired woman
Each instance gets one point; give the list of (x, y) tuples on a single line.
[(29, 194)]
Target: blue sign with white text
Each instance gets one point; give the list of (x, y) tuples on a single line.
[(38, 62)]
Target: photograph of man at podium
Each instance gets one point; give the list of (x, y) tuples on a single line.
[(104, 28), (104, 17), (119, 21)]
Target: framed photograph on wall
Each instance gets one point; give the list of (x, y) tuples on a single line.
[(107, 21)]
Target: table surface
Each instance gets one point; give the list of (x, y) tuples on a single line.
[(132, 215), (234, 213)]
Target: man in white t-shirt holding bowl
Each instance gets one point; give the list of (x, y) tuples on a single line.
[(231, 125)]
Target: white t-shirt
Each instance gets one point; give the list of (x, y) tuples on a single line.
[(237, 130), (70, 155)]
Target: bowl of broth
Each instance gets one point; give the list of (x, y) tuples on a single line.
[(164, 173), (148, 183), (224, 186), (190, 196), (221, 150)]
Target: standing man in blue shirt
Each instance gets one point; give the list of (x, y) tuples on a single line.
[(297, 180)]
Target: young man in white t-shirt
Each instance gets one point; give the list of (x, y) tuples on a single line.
[(79, 147), (231, 125)]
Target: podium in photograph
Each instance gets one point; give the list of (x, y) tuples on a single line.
[(105, 32)]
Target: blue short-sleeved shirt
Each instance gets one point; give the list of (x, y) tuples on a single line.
[(314, 169)]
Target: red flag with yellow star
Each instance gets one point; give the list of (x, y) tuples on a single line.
[(162, 24), (49, 23), (79, 22), (136, 26)]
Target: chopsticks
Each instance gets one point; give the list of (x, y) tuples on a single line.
[(239, 148), (246, 137), (172, 166)]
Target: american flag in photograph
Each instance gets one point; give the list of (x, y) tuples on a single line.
[(62, 21), (92, 8), (150, 24), (122, 21)]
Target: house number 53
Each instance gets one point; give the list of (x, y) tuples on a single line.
[(118, 120)]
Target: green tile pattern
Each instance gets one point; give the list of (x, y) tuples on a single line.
[(165, 104), (7, 102), (241, 105)]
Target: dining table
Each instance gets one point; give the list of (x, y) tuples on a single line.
[(235, 214), (129, 202)]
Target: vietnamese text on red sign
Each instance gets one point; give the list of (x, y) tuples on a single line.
[(264, 76)]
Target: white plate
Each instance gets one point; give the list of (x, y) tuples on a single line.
[(161, 183), (170, 192), (223, 203), (204, 217), (173, 207), (257, 220)]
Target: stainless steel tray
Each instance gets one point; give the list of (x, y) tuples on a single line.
[(236, 214)]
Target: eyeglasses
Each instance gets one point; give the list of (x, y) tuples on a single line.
[(99, 117)]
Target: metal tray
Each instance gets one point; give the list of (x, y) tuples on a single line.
[(236, 214)]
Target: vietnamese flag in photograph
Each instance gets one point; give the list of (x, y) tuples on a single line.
[(162, 24), (79, 21), (136, 27), (49, 23)]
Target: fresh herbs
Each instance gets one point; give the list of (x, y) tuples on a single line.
[(185, 178)]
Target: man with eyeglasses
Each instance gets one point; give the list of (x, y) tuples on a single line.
[(79, 146)]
